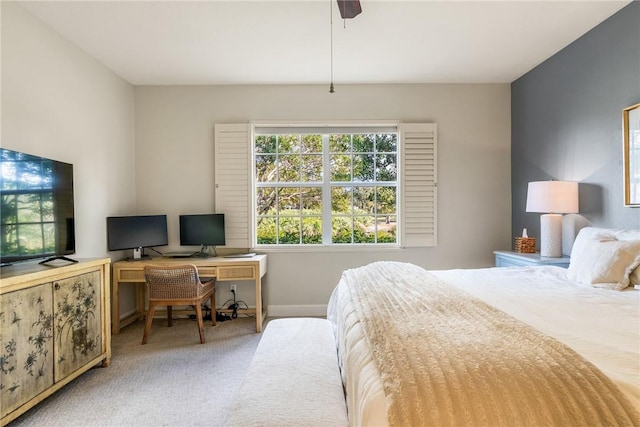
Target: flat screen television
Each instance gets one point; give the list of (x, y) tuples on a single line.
[(204, 230), (37, 208), (136, 232)]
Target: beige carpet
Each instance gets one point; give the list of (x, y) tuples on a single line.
[(171, 381)]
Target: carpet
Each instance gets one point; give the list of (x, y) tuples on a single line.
[(172, 380)]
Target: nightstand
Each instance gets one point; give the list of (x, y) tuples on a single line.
[(516, 259)]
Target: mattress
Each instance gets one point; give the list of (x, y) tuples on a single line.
[(601, 325)]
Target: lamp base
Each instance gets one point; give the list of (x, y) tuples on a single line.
[(551, 235)]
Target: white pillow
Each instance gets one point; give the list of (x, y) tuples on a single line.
[(603, 261)]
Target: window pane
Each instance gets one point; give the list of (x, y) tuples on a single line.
[(340, 168), (289, 201), (364, 229), (386, 229), (341, 200), (387, 143), (267, 231), (363, 143), (386, 200), (289, 168), (312, 230), (266, 168), (311, 200), (288, 144), (363, 167), (363, 200), (341, 229), (265, 144), (311, 168), (288, 230), (340, 143), (386, 167), (311, 144), (265, 200)]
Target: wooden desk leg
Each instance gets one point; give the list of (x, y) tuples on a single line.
[(140, 300), (115, 309), (258, 303)]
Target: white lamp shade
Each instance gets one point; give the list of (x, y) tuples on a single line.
[(552, 197)]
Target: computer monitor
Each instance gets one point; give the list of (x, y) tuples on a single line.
[(136, 232), (202, 230)]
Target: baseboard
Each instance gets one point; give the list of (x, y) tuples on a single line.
[(297, 310)]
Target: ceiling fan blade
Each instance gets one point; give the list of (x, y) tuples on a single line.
[(349, 8)]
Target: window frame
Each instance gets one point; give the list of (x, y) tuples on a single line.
[(326, 129)]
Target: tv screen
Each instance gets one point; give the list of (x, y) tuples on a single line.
[(137, 231), (37, 209), (203, 230)]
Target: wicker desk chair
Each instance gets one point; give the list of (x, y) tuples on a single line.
[(177, 285)]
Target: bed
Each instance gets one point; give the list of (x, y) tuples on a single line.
[(495, 346)]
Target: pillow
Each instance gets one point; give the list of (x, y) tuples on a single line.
[(603, 261)]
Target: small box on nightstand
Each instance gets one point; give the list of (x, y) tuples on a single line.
[(525, 245)]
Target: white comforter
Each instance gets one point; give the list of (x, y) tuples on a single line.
[(601, 325)]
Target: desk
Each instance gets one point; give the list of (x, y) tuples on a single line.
[(223, 269)]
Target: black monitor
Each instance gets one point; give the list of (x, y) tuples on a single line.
[(202, 230), (136, 232)]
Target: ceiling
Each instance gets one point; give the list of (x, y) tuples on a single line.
[(289, 42)]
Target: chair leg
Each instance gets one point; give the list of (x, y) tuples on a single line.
[(200, 322), (147, 325), (170, 315), (213, 308)]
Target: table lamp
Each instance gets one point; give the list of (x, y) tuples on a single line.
[(552, 199)]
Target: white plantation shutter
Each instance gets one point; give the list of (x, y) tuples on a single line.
[(418, 184), (233, 182)]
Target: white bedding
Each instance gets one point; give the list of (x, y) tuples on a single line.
[(601, 325)]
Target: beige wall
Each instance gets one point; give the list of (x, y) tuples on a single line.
[(175, 169), (58, 102)]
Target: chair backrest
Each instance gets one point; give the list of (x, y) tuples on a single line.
[(172, 282)]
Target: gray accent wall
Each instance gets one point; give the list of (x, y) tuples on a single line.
[(567, 124)]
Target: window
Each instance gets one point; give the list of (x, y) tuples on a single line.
[(314, 187), (369, 180)]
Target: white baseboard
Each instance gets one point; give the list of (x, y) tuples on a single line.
[(297, 310)]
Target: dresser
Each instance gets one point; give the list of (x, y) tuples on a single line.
[(55, 323)]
